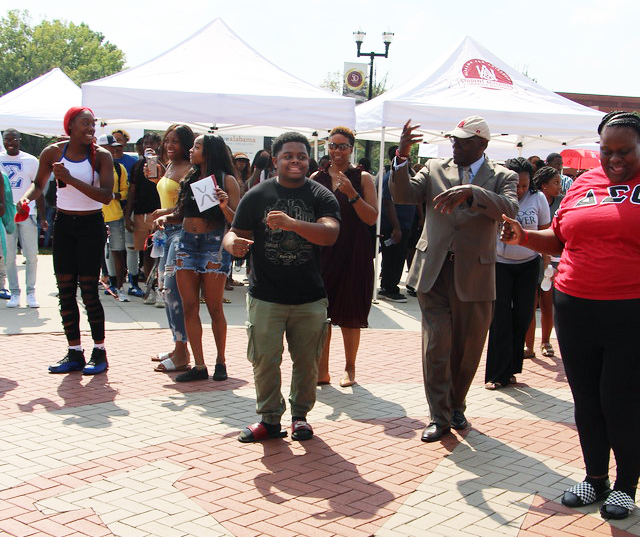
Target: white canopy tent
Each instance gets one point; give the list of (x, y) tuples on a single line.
[(472, 81), (215, 79), (39, 106)]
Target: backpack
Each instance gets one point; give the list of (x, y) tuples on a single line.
[(117, 167)]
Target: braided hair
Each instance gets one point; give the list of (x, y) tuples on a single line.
[(620, 118), (544, 175)]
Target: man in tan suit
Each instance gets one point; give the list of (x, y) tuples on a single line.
[(453, 270)]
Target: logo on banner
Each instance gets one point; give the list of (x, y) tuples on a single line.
[(354, 79), (481, 73)]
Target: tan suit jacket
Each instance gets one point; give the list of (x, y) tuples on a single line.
[(470, 231)]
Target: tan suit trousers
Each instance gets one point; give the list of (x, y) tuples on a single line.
[(453, 336)]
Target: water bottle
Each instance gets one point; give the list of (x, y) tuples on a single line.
[(159, 240), (152, 163), (546, 281)]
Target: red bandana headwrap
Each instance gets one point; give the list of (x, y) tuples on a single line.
[(71, 113)]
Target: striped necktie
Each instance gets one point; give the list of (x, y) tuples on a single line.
[(465, 175)]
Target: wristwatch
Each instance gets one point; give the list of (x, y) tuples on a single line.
[(354, 199)]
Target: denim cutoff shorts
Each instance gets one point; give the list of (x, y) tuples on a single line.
[(196, 250)]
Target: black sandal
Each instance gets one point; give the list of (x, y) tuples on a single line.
[(195, 373), (220, 372), (583, 494)]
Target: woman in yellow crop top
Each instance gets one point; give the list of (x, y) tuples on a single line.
[(176, 144)]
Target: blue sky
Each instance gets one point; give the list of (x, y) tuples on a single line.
[(567, 45)]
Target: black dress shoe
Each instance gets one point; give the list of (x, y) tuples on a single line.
[(433, 432), (458, 421)]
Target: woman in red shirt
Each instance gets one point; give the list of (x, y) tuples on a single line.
[(597, 303)]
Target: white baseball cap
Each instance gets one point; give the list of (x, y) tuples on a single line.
[(471, 126), (107, 139)]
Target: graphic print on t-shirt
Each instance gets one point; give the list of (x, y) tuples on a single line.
[(617, 194), (287, 247), (588, 200), (13, 170)]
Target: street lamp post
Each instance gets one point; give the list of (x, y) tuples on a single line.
[(359, 36)]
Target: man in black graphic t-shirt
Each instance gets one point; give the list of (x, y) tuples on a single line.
[(284, 221)]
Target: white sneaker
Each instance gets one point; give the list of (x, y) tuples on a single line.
[(31, 301), (151, 299), (14, 301), (159, 300), (122, 296)]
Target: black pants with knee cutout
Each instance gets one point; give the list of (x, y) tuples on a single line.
[(78, 248)]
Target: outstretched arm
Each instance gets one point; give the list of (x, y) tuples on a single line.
[(544, 241), (237, 241)]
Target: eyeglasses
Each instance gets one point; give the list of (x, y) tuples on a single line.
[(341, 147), (462, 141)]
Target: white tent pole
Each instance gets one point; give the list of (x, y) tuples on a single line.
[(314, 136), (377, 247)]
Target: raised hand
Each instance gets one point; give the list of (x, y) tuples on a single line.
[(408, 138)]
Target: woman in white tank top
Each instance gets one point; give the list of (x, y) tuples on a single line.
[(84, 173)]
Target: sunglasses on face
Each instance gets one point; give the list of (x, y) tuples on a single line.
[(341, 147)]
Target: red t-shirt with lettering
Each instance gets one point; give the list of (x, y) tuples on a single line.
[(599, 223)]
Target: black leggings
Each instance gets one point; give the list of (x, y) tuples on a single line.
[(78, 248), (599, 349)]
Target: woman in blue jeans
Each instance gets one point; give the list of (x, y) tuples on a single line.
[(200, 260), (178, 139)]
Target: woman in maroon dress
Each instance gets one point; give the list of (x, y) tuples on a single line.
[(347, 266)]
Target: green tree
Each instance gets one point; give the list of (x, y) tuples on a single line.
[(27, 51), (333, 82)]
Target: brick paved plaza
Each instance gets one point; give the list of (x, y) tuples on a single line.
[(131, 453)]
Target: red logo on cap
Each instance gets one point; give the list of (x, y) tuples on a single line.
[(481, 73)]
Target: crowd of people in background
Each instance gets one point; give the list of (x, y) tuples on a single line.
[(486, 243)]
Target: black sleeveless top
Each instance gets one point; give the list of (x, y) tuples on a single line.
[(190, 207)]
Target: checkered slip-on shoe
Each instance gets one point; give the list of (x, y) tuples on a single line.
[(618, 505), (583, 494)]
